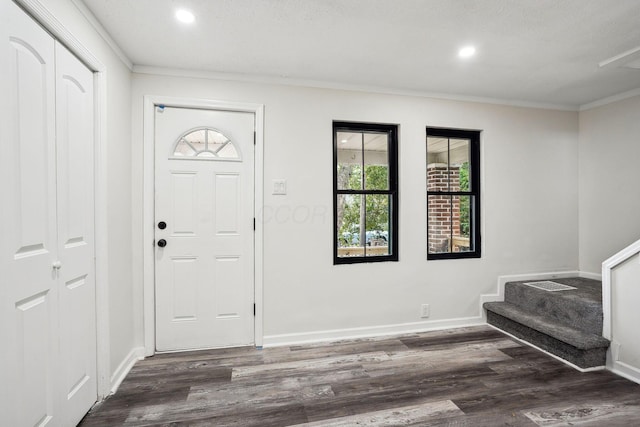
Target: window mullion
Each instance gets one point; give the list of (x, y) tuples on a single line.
[(448, 175), (363, 199), (451, 223)]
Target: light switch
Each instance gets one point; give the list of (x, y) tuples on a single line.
[(280, 186)]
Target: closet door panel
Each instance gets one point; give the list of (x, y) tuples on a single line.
[(28, 248), (75, 142)]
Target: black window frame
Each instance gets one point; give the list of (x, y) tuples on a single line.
[(474, 159), (392, 131)]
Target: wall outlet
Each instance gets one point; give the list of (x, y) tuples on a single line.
[(424, 311), (616, 348)]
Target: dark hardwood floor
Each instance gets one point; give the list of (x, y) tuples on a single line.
[(461, 377)]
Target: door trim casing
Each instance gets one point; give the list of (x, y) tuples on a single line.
[(148, 251)]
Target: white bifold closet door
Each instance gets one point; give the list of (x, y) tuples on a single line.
[(47, 288)]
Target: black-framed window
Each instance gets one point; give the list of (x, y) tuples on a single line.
[(453, 193), (365, 192)]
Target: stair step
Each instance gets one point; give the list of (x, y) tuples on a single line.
[(579, 308), (583, 349)]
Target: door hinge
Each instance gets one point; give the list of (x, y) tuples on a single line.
[(254, 224), (254, 309), (254, 137)]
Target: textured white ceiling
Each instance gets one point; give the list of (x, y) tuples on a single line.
[(534, 51)]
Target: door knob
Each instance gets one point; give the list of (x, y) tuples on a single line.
[(162, 243), (162, 225), (56, 265)]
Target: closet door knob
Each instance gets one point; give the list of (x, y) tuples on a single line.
[(162, 243), (56, 265)]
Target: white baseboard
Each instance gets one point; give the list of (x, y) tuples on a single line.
[(502, 280), (627, 371), (588, 275), (125, 366), (370, 331)]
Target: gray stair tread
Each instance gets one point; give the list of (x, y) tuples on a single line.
[(588, 291), (577, 338), (579, 308)]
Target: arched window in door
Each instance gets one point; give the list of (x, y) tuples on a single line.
[(205, 144)]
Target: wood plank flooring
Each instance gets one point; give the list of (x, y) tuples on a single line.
[(460, 377)]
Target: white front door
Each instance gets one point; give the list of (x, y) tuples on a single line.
[(204, 228), (47, 293)]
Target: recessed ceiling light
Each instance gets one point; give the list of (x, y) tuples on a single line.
[(185, 16), (467, 52)]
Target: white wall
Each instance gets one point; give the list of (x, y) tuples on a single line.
[(625, 318), (609, 154), (529, 160), (118, 125)]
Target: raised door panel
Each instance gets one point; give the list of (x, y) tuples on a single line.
[(227, 206), (28, 245), (184, 285), (184, 210)]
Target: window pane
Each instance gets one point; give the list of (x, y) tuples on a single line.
[(439, 211), (349, 176), (450, 224), (437, 164), (207, 154), (462, 209), (376, 161), (228, 151), (448, 164), (349, 160), (459, 164), (197, 139), (351, 234), (377, 223), (184, 149), (215, 140)]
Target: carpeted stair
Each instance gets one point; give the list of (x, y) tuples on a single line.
[(566, 323)]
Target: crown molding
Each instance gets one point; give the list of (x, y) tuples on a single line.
[(274, 80), (611, 99)]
